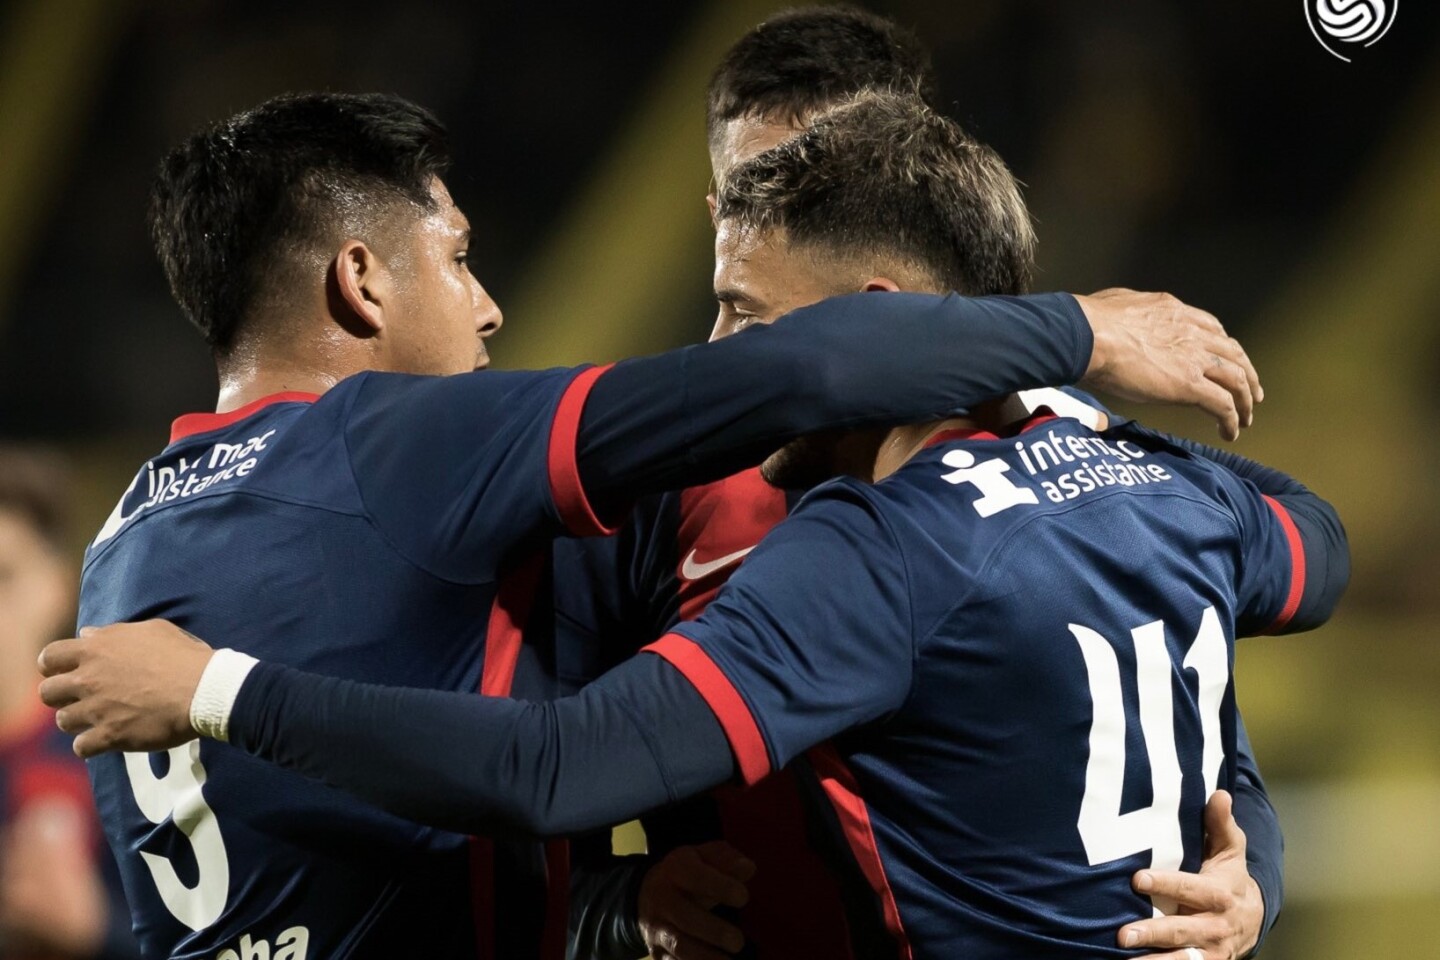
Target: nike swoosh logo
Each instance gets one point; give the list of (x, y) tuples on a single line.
[(690, 570)]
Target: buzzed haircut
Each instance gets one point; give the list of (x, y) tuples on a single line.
[(884, 177), (35, 485), (238, 207), (805, 59)]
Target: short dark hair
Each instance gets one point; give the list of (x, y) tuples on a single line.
[(35, 485), (237, 203), (803, 60), (885, 176)]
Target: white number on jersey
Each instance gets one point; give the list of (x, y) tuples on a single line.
[(178, 796), (1107, 833)]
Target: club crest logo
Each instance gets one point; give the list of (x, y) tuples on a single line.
[(1344, 27)]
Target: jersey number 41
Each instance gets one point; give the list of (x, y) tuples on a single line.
[(1107, 833)]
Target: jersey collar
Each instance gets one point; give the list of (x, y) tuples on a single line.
[(192, 423), (1040, 416)]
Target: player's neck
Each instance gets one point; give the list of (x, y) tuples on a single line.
[(250, 373), (902, 443)]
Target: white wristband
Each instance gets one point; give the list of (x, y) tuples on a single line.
[(215, 696)]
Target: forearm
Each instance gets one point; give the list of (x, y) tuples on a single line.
[(1265, 843), (634, 740), (693, 415)]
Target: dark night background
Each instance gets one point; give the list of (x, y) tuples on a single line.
[(1210, 149)]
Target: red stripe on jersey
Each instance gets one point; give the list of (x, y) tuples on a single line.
[(1297, 566), (959, 433), (1041, 416), (565, 487), (724, 700), (720, 523), (193, 423), (844, 794), (506, 631), (504, 636)]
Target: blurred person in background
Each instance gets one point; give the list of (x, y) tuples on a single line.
[(59, 893), (614, 596)]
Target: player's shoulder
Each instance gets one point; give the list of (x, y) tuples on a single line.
[(981, 485), (373, 390), (283, 448)]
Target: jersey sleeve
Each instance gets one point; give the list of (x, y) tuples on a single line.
[(810, 637), (637, 738), (447, 467), (1272, 562), (509, 455), (703, 412)]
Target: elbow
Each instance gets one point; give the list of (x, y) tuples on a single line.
[(1335, 574), (1327, 549)]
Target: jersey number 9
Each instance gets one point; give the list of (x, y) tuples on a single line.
[(177, 796)]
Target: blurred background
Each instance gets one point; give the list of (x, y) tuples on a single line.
[(1214, 150)]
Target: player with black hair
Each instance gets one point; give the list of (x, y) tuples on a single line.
[(799, 62), (941, 631), (363, 479)]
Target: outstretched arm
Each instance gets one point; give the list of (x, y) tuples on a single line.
[(639, 737), (652, 731), (703, 412)]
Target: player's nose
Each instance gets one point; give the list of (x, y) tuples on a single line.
[(488, 318)]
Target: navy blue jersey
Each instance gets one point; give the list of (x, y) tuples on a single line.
[(1017, 649), (1025, 685), (613, 596), (316, 533)]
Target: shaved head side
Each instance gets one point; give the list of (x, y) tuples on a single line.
[(803, 60), (885, 182)]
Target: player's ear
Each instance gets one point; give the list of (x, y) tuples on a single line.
[(362, 284), (882, 284), (713, 204)]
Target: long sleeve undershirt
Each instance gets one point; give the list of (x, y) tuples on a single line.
[(703, 412)]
